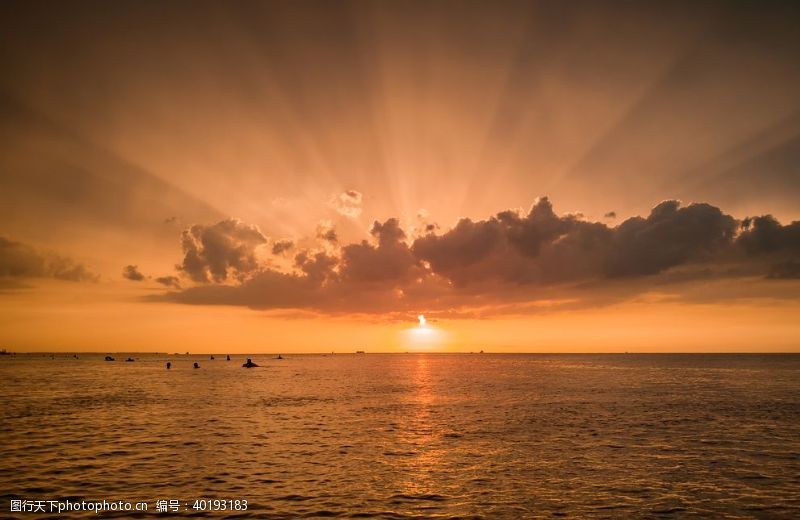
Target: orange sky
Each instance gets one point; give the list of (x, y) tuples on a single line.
[(291, 176)]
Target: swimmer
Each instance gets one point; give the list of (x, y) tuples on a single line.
[(249, 364), (169, 365), (197, 365)]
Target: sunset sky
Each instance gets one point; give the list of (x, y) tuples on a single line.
[(313, 176)]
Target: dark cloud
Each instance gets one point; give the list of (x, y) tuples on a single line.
[(517, 260), (18, 260), (328, 235), (542, 247), (169, 281), (668, 237), (779, 245), (219, 251), (790, 269), (461, 253), (281, 246), (388, 260), (317, 267), (766, 235), (131, 272)]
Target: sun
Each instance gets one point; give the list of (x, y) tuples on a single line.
[(423, 336)]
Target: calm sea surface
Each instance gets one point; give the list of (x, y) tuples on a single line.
[(408, 436)]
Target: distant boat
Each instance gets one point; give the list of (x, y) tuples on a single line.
[(360, 352), (109, 358), (4, 353)]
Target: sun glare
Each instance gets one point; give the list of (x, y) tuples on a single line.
[(424, 336)]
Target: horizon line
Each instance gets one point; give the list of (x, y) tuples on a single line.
[(383, 352)]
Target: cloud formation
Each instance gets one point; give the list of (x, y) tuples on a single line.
[(169, 281), (326, 232), (542, 247), (281, 246), (510, 259), (131, 272), (766, 235), (347, 203), (220, 251), (18, 260), (388, 260)]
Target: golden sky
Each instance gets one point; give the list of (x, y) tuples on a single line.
[(313, 176)]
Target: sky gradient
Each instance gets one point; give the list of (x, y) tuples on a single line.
[(313, 176)]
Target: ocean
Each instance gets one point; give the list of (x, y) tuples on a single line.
[(402, 436)]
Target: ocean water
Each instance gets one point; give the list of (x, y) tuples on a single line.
[(407, 435)]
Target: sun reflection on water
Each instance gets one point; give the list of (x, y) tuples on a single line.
[(418, 434)]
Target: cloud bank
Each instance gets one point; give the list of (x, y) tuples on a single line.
[(511, 259), (20, 261)]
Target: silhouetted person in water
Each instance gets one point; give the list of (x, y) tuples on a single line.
[(229, 357), (212, 357), (197, 365), (249, 364), (279, 357), (169, 365)]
